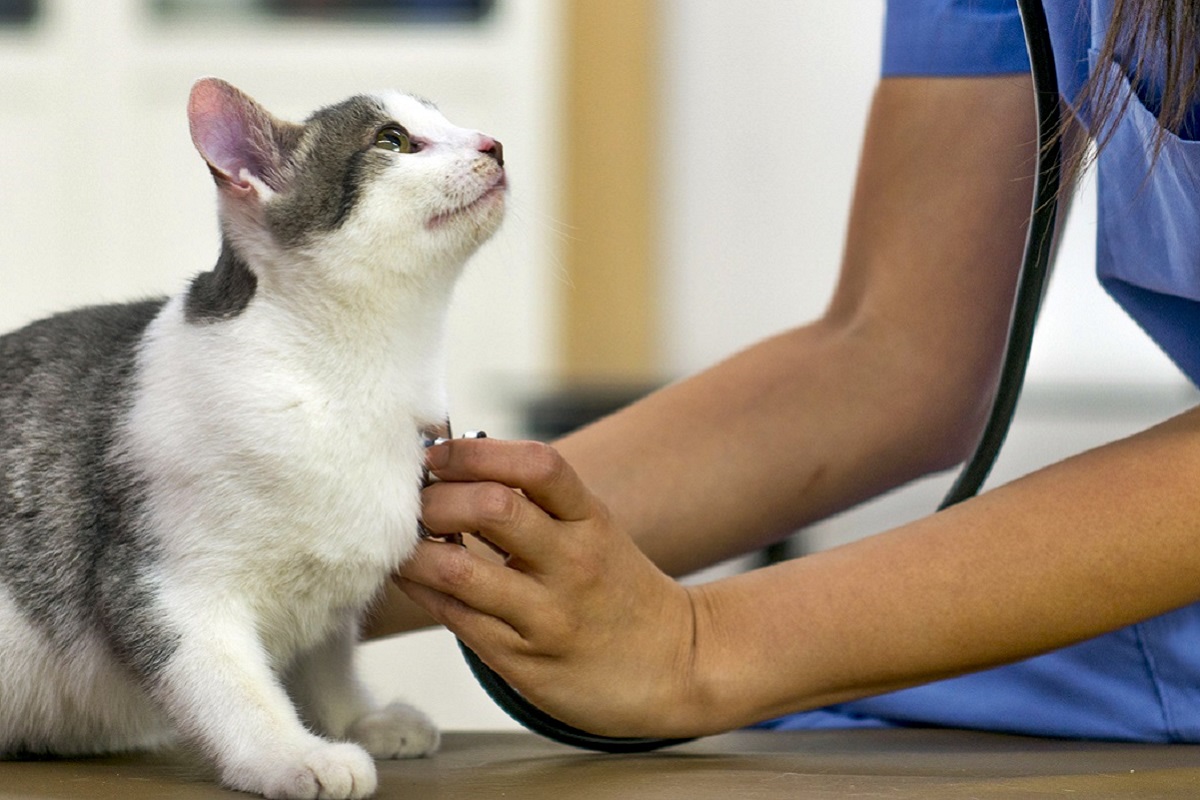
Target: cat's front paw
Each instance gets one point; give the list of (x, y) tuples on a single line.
[(395, 731), (326, 771)]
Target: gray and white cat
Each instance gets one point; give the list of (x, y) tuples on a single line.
[(200, 496)]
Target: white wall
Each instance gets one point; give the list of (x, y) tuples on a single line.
[(765, 104)]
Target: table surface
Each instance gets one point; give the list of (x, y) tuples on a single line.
[(912, 763)]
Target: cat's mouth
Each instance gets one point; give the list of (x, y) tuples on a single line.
[(486, 197)]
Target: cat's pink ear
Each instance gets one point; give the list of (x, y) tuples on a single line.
[(237, 137)]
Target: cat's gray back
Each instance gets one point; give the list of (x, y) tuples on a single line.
[(69, 556)]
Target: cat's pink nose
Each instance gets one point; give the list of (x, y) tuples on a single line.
[(490, 147)]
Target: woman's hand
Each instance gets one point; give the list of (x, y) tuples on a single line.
[(575, 617)]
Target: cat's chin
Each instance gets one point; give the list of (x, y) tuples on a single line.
[(487, 206)]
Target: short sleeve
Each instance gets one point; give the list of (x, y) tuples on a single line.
[(953, 37)]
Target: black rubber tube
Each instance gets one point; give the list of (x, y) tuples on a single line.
[(1035, 267), (538, 721)]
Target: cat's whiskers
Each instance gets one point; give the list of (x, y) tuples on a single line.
[(562, 231)]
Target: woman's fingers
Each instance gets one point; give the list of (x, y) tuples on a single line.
[(458, 583), (536, 469), (476, 494), (500, 516)]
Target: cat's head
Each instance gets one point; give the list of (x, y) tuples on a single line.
[(379, 182)]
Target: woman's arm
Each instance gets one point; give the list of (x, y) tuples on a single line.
[(890, 384), (1097, 542), (583, 625)]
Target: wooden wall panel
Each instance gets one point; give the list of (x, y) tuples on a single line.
[(610, 304)]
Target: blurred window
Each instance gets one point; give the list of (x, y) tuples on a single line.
[(381, 11), (18, 12)]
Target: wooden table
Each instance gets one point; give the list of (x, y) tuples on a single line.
[(927, 764)]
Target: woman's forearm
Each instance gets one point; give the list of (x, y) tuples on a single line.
[(785, 433), (890, 384), (1080, 548)]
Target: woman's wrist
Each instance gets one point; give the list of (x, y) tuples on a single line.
[(714, 692)]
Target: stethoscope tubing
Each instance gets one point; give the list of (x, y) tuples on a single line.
[(1036, 260)]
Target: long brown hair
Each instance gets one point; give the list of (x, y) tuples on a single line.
[(1152, 40)]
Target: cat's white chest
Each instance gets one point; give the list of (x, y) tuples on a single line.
[(357, 479), (298, 487)]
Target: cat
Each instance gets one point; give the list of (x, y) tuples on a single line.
[(200, 496)]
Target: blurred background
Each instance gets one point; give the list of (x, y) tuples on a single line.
[(680, 172)]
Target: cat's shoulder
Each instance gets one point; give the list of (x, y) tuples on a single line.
[(89, 326), (81, 339)]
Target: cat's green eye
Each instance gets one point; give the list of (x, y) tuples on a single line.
[(396, 139)]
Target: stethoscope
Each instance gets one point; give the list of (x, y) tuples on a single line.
[(1035, 267)]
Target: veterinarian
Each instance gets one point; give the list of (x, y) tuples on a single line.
[(1063, 604)]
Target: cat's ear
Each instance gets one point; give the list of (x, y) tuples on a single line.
[(244, 145)]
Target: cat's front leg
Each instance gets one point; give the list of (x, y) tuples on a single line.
[(221, 692), (325, 686)]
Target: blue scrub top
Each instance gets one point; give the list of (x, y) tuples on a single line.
[(1141, 683)]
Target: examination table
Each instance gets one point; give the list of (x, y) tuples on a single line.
[(895, 764)]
